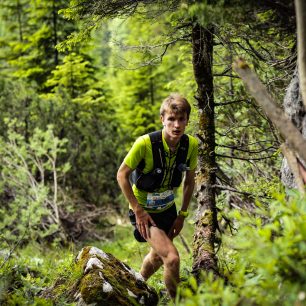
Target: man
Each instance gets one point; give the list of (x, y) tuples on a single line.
[(160, 158)]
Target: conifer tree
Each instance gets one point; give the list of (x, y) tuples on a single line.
[(37, 28)]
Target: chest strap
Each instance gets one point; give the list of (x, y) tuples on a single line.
[(153, 180)]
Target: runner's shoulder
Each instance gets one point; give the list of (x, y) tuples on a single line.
[(142, 141), (193, 141)]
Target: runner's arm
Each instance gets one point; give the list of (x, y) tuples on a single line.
[(188, 189), (187, 194), (123, 175), (143, 219)]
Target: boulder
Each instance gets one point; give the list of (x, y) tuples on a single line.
[(103, 280)]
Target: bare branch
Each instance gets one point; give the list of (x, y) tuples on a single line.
[(244, 158), (154, 60), (245, 150), (238, 191), (232, 102), (278, 117)]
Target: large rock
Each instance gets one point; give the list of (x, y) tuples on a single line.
[(104, 280)]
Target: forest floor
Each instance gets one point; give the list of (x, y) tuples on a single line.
[(35, 267)]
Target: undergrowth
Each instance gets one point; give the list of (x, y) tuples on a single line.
[(35, 267), (263, 261), (31, 269)]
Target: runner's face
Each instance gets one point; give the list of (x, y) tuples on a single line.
[(174, 124)]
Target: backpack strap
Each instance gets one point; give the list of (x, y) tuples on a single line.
[(180, 162), (152, 180), (159, 159), (182, 152)]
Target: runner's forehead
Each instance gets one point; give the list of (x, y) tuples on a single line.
[(178, 114)]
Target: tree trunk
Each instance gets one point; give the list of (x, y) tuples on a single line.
[(54, 14), (300, 9), (206, 218), (293, 106), (284, 125), (99, 278)]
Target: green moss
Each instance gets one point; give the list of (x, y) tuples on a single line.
[(200, 244), (90, 286), (82, 261), (206, 219)]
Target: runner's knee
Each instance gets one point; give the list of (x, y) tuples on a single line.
[(172, 259), (155, 258)]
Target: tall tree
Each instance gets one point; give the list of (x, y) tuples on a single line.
[(31, 52), (206, 218)]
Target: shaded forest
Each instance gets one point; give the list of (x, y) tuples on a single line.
[(80, 83)]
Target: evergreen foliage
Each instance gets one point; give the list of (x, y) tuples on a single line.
[(70, 110), (33, 30)]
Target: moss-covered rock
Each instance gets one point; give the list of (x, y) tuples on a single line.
[(104, 281)]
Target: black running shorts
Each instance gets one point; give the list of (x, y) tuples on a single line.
[(163, 220)]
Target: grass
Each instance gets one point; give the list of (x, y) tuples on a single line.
[(37, 266), (131, 252), (30, 270)]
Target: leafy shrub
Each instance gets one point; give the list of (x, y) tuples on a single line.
[(265, 259), (30, 176)]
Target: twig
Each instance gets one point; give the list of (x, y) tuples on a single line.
[(185, 243), (238, 191), (244, 158), (244, 150), (232, 102)]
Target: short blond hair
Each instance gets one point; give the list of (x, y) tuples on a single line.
[(175, 103)]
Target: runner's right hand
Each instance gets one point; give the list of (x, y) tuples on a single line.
[(143, 221)]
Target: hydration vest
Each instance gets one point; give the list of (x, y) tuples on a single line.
[(153, 180)]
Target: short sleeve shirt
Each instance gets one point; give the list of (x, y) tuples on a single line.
[(142, 150)]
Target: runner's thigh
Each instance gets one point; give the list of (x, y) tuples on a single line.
[(160, 242)]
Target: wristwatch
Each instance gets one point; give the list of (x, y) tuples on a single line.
[(183, 213)]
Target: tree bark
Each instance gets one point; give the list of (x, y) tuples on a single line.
[(105, 281), (294, 108), (294, 167), (300, 9), (206, 218)]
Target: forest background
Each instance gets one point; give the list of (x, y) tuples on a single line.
[(78, 85)]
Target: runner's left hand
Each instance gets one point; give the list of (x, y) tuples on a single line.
[(176, 227)]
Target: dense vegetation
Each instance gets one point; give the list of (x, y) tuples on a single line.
[(77, 87)]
